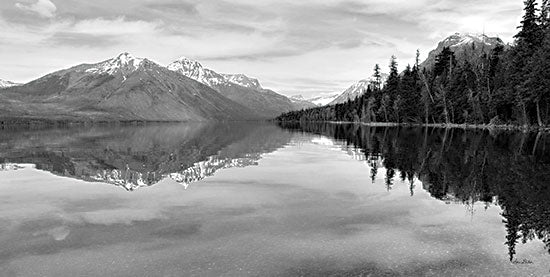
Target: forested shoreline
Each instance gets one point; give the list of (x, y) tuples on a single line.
[(506, 86)]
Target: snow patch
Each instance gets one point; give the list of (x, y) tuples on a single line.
[(125, 63)]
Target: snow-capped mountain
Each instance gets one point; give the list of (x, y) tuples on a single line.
[(458, 39), (300, 101), (194, 70), (357, 89), (239, 88), (465, 46), (122, 88), (243, 80), (124, 63), (324, 99), (197, 72), (298, 97), (7, 84)]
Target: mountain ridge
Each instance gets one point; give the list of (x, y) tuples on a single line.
[(7, 84), (239, 88), (121, 88), (466, 46), (357, 89)]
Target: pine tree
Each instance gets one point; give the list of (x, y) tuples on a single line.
[(545, 14), (377, 76), (530, 34), (391, 89)]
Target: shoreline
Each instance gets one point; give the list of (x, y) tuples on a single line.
[(507, 127)]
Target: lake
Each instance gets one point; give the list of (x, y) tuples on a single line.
[(269, 200)]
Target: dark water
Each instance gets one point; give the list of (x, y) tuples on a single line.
[(266, 200)]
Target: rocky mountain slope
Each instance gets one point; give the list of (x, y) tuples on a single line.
[(239, 88), (122, 88), (465, 46), (7, 84)]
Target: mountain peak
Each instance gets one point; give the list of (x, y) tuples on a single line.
[(465, 46), (188, 62), (358, 89), (458, 39), (243, 80), (126, 57), (194, 70), (124, 62)]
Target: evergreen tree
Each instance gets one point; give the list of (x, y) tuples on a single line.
[(530, 34), (377, 76)]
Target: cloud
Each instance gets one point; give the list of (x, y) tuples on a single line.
[(44, 8), (330, 41)]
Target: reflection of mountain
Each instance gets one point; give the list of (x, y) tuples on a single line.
[(137, 156), (463, 166)]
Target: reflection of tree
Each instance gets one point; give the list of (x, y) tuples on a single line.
[(465, 166)]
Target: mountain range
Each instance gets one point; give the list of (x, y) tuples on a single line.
[(239, 88), (121, 88), (127, 88)]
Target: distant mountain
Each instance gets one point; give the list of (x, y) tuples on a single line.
[(239, 88), (243, 80), (121, 88), (323, 100), (299, 100), (357, 89), (465, 46), (7, 84)]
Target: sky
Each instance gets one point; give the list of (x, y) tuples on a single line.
[(302, 47)]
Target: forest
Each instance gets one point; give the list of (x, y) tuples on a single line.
[(508, 85), (460, 166)]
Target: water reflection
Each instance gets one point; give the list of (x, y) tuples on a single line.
[(139, 156), (509, 169), (306, 208)]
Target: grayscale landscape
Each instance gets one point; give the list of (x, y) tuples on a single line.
[(274, 138)]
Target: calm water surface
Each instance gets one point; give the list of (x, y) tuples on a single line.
[(266, 200)]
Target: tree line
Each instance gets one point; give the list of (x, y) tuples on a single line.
[(507, 85)]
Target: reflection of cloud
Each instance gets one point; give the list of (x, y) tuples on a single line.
[(118, 216), (43, 8)]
